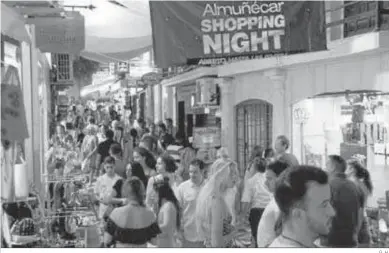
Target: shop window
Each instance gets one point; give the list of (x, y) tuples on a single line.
[(362, 17), (62, 69)]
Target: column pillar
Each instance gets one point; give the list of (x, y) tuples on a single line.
[(227, 116), (36, 166), (161, 116), (281, 109), (27, 98)]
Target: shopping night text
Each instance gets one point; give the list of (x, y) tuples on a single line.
[(244, 28)]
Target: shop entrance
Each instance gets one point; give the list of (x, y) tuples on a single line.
[(254, 125), (352, 124)]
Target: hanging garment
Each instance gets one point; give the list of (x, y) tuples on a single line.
[(5, 227), (7, 162)]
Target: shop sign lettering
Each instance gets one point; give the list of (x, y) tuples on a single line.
[(242, 28), (60, 34), (217, 32)]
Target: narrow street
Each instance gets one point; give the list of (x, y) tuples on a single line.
[(194, 124)]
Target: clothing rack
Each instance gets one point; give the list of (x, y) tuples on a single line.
[(71, 214), (18, 200), (66, 179)]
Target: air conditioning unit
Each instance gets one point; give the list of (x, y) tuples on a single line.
[(62, 69)]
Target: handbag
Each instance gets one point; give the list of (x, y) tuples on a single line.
[(21, 179)]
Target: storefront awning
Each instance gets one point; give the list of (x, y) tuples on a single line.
[(108, 85), (106, 50), (13, 25), (115, 30)]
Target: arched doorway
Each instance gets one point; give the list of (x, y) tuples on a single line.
[(254, 126)]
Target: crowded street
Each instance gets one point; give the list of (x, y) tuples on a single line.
[(194, 124)]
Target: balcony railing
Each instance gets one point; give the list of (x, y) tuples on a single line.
[(349, 18)]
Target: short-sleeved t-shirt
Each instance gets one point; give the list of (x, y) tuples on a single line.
[(266, 228)]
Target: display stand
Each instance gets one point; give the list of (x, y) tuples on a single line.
[(13, 133), (79, 207)]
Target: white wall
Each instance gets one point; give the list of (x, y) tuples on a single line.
[(354, 73), (255, 86)]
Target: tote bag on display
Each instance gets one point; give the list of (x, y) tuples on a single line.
[(21, 180)]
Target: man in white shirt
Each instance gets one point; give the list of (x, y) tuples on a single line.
[(266, 231), (105, 183), (187, 194)]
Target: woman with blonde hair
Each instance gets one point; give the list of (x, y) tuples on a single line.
[(213, 214)]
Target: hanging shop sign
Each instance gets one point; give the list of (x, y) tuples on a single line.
[(13, 114), (123, 67), (216, 32), (60, 34), (112, 68), (206, 137), (151, 78)]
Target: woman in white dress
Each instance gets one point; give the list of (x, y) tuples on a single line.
[(214, 217), (168, 213)]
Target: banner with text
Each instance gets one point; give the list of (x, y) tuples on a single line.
[(216, 32), (60, 34)]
